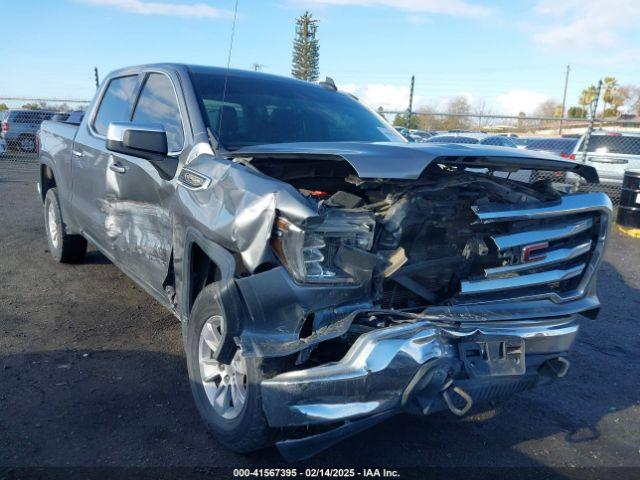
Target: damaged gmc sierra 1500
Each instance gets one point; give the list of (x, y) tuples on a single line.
[(326, 273)]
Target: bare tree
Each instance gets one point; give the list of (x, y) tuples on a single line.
[(548, 108), (481, 109)]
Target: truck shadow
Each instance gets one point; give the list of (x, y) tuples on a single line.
[(134, 408)]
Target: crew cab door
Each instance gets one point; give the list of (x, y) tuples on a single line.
[(91, 176), (137, 198)]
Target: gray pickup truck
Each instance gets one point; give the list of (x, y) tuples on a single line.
[(326, 273)]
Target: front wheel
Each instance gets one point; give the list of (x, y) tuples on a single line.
[(228, 397)]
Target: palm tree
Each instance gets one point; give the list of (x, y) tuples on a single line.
[(610, 87), (588, 96)]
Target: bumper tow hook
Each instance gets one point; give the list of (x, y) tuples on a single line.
[(559, 366), (446, 396)]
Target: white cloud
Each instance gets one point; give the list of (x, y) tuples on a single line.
[(460, 8), (387, 96), (516, 101), (575, 25), (418, 19), (192, 10)]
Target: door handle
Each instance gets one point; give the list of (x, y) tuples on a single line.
[(118, 168), (77, 153)]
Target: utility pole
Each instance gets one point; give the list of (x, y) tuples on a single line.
[(95, 73), (564, 98), (410, 109)]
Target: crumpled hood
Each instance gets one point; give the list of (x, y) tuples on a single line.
[(408, 161)]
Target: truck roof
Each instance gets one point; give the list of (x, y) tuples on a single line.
[(188, 69), (204, 69)]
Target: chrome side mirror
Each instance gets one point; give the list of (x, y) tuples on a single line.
[(147, 141)]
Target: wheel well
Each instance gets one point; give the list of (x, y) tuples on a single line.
[(47, 180), (203, 271)]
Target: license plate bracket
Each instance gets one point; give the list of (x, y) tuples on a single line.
[(488, 356)]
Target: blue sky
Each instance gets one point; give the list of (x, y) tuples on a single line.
[(509, 54)]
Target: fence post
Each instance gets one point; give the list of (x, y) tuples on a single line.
[(410, 109), (592, 120), (564, 98)]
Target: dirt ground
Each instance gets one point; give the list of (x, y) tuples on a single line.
[(92, 374)]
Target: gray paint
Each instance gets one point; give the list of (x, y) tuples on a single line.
[(142, 218)]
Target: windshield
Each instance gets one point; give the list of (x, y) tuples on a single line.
[(627, 145), (262, 110)]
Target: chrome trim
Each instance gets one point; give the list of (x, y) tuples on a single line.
[(117, 168), (181, 182), (117, 130), (546, 234), (381, 364), (324, 411), (567, 205), (470, 287), (552, 257)]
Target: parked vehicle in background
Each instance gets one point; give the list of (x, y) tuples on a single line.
[(473, 138), (560, 146), (419, 135), (327, 274), (74, 117), (19, 128), (404, 132), (59, 117), (522, 142), (610, 153)]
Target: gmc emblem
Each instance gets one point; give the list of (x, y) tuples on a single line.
[(528, 252)]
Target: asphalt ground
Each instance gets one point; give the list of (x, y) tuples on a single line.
[(92, 374)]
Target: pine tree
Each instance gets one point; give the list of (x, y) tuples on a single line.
[(306, 49)]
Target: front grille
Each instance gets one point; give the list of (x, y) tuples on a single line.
[(565, 238)]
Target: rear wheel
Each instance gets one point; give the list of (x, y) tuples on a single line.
[(227, 396), (64, 248)]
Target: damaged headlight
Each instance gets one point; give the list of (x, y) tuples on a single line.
[(317, 252)]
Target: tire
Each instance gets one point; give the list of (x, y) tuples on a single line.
[(27, 143), (64, 248), (245, 428)]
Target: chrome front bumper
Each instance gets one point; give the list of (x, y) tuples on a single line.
[(408, 366)]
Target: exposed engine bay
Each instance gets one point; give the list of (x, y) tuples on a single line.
[(410, 276), (415, 240)]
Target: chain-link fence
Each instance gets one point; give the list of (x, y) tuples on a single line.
[(611, 146), (20, 120)]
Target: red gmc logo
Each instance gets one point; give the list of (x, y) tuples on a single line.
[(528, 253)]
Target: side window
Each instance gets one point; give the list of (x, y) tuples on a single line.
[(158, 104), (116, 103)]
